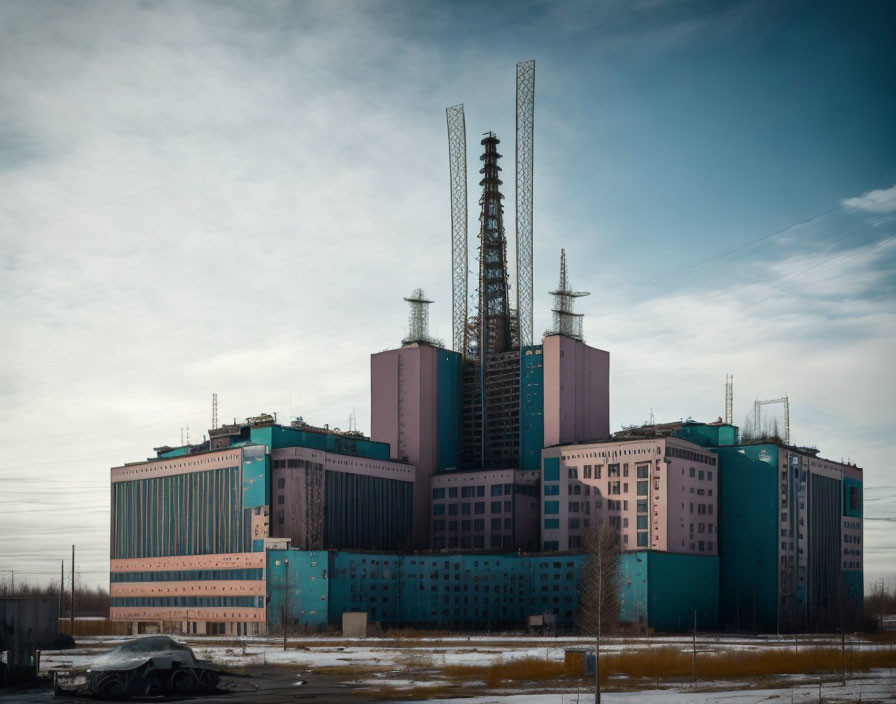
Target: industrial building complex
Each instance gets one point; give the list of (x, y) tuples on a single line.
[(487, 466)]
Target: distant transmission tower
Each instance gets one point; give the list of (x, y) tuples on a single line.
[(729, 399), (525, 138), (457, 163), (418, 320), (214, 411), (566, 320)]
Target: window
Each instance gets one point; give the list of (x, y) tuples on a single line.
[(438, 525), (693, 471), (466, 492), (642, 522), (573, 523), (479, 507), (496, 507), (281, 483), (700, 475), (479, 524), (452, 492), (587, 471), (452, 509), (551, 507), (465, 509), (597, 471), (465, 525), (642, 505), (643, 488), (573, 506), (642, 540), (508, 506), (643, 471), (439, 509), (551, 489), (496, 524), (625, 469), (438, 493), (612, 470), (496, 490), (280, 499), (572, 473), (480, 491)]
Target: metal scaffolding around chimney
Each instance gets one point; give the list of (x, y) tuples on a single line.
[(457, 162), (525, 137), (566, 320)]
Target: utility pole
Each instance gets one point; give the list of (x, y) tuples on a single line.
[(694, 656), (285, 600), (72, 614), (61, 589)]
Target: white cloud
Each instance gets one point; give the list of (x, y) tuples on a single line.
[(882, 200)]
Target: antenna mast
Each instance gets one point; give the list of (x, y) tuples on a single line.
[(757, 408), (214, 411), (525, 137), (457, 163), (566, 320), (729, 399)]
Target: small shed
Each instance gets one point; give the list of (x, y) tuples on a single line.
[(27, 624)]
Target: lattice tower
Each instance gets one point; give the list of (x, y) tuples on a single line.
[(214, 411), (757, 416), (566, 320), (494, 310), (525, 138), (457, 163)]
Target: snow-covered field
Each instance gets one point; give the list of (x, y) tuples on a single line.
[(405, 664)]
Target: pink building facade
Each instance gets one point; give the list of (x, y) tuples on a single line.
[(656, 493), (576, 391)]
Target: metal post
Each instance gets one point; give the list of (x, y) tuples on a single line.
[(285, 600), (13, 579), (61, 589), (694, 657), (72, 614), (600, 608)]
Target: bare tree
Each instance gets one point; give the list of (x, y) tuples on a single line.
[(598, 612), (748, 432)]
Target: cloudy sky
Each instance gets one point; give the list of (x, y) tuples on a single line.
[(233, 198)]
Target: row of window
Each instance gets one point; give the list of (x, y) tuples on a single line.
[(466, 526), (690, 456), (500, 542), (468, 508)]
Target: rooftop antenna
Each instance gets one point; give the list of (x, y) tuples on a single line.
[(757, 408), (729, 399), (181, 436), (566, 321), (418, 320), (188, 435), (652, 419), (525, 138), (214, 411), (457, 164)]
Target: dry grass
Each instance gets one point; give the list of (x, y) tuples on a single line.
[(522, 670), (94, 627)]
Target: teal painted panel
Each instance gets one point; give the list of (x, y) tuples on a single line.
[(531, 406), (852, 497), (303, 583), (278, 436), (448, 409), (551, 469), (176, 452), (709, 435), (551, 507), (633, 587), (256, 476), (748, 536), (369, 582), (680, 584)]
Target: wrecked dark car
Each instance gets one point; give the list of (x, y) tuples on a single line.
[(143, 667)]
